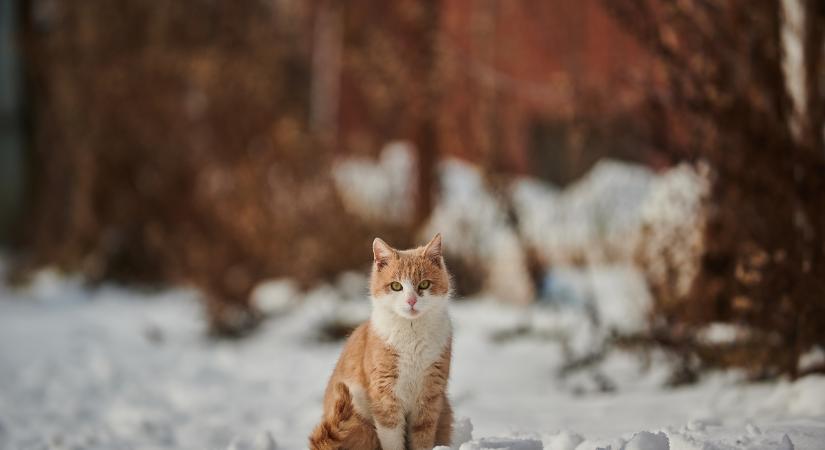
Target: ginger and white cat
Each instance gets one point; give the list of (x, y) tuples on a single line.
[(388, 390)]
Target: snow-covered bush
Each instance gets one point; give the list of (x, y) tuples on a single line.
[(590, 221), (476, 229), (668, 244), (483, 249), (381, 191)]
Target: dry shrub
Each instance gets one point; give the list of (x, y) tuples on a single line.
[(763, 252), (669, 244), (170, 143)]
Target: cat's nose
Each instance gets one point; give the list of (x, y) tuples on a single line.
[(412, 301)]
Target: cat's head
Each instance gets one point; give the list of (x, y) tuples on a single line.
[(410, 283)]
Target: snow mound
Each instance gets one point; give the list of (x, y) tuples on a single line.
[(379, 190), (614, 214), (473, 222), (564, 440), (617, 294), (589, 221), (275, 296), (720, 438), (668, 244), (617, 214), (503, 444), (476, 227), (804, 397), (264, 441), (645, 440), (462, 431), (714, 438)]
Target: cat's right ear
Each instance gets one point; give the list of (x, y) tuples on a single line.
[(381, 253)]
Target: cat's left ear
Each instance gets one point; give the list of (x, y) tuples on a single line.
[(432, 250), (381, 253)]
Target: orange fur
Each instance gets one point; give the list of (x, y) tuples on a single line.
[(380, 386), (342, 429), (414, 264)]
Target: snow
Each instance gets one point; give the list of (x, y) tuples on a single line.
[(502, 443), (475, 225), (114, 368), (619, 216), (720, 333), (563, 440), (668, 244), (621, 298), (645, 440), (381, 190), (713, 437), (813, 358), (793, 58), (589, 221), (274, 296)]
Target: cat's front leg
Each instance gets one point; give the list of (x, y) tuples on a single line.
[(424, 422), (390, 428), (431, 402), (390, 424)]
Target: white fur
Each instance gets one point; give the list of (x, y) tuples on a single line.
[(390, 438), (396, 301), (360, 400), (419, 341)]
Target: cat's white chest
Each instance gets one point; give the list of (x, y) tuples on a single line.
[(418, 347), (414, 358)]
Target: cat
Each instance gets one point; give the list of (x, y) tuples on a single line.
[(389, 388)]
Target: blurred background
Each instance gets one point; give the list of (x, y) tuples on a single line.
[(656, 167)]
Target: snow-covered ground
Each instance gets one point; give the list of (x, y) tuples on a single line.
[(111, 368)]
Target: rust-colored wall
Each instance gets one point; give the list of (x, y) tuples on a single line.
[(509, 62), (503, 67)]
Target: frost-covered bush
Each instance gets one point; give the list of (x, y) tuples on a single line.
[(668, 243), (590, 221), (734, 73), (379, 190), (477, 230)]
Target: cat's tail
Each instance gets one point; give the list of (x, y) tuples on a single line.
[(337, 426)]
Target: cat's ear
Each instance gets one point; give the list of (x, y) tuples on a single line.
[(381, 253), (432, 250)]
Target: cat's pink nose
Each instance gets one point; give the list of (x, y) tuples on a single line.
[(412, 301)]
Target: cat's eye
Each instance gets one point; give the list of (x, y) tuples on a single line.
[(424, 284), (396, 286)]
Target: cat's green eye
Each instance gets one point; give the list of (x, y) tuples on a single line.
[(396, 286), (424, 284)]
